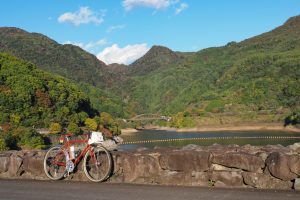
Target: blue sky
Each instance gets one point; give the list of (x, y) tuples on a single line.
[(123, 30)]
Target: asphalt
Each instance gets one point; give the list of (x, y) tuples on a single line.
[(71, 190)]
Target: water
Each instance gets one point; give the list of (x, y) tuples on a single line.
[(146, 135)]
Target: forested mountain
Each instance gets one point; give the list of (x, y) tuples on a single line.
[(260, 73), (257, 75), (157, 57), (67, 60)]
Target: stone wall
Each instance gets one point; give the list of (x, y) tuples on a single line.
[(267, 167)]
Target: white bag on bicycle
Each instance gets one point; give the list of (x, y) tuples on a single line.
[(96, 138)]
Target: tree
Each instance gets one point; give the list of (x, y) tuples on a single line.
[(73, 128), (108, 122)]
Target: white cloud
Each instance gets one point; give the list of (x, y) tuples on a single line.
[(83, 16), (182, 7), (156, 4), (116, 27), (125, 55), (90, 45)]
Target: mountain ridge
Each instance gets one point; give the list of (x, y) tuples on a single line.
[(67, 60)]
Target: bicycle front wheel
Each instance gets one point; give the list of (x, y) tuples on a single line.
[(55, 163), (97, 164)]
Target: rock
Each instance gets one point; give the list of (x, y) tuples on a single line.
[(275, 148), (230, 179), (15, 163), (33, 163), (110, 145), (191, 147), (264, 181), (220, 184), (183, 179), (243, 161), (297, 184), (295, 147), (250, 149), (278, 165), (199, 179), (4, 162), (216, 167), (139, 168), (294, 164), (185, 161), (262, 155)]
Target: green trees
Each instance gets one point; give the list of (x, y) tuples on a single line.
[(21, 137), (105, 120), (292, 119), (108, 122), (181, 120), (31, 97), (3, 146), (73, 128)]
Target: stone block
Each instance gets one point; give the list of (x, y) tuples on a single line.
[(243, 161), (264, 181)]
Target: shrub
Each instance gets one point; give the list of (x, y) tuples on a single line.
[(3, 146), (181, 121), (31, 139), (91, 124), (55, 128), (215, 106)]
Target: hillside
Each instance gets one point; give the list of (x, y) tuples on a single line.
[(260, 74), (67, 60), (32, 97), (257, 76)]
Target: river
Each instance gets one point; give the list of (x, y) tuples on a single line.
[(257, 138)]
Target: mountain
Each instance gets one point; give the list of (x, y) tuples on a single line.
[(260, 74), (155, 58), (243, 79), (67, 60)]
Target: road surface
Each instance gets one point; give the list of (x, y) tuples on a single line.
[(69, 190)]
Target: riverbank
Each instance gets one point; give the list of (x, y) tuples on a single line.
[(249, 127), (128, 131), (235, 127)]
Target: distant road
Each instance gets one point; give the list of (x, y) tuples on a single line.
[(68, 190)]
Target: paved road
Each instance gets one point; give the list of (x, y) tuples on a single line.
[(68, 190)]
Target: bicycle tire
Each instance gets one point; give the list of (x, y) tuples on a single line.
[(54, 175), (102, 167)]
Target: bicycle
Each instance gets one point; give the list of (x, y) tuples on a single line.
[(61, 160)]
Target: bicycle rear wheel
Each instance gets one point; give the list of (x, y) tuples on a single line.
[(97, 164), (55, 163)]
